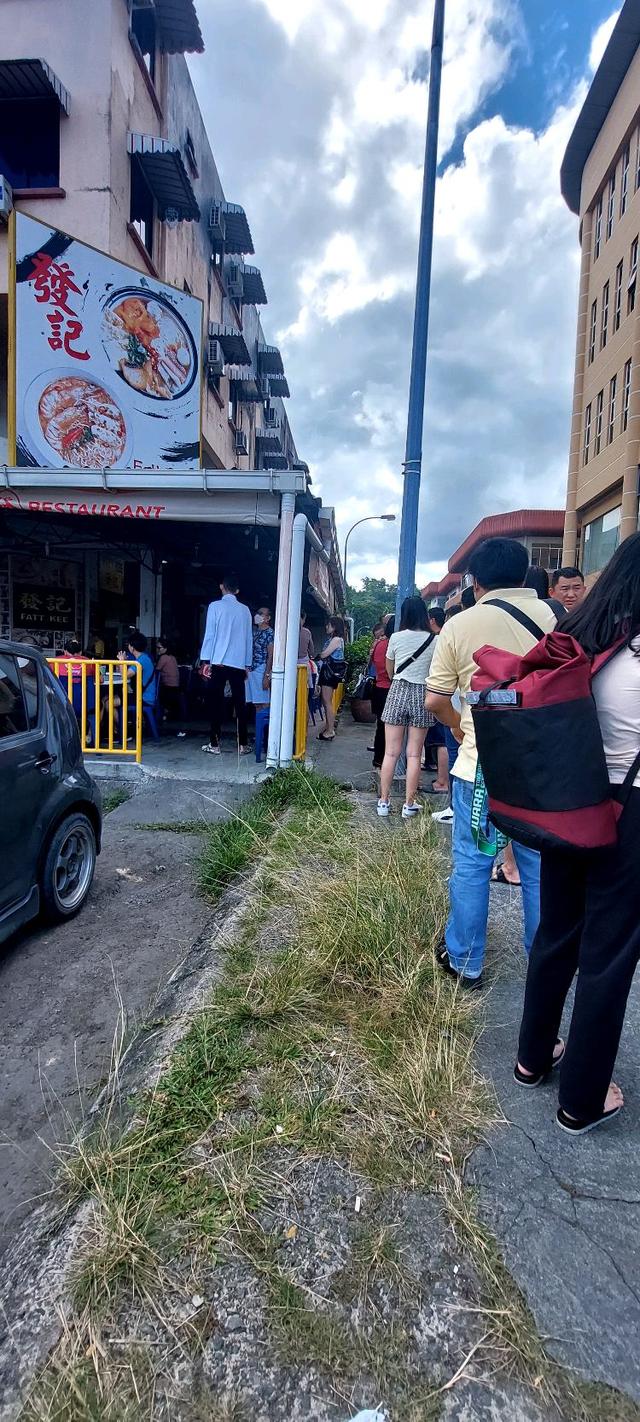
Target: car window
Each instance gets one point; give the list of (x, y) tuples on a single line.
[(30, 687), (13, 717)]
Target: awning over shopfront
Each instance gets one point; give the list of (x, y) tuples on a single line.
[(165, 173), (150, 497), (178, 25), (234, 346), (31, 79)]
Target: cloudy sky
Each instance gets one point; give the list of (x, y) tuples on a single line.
[(316, 111)]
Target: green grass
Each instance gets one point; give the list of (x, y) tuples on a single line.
[(114, 798)]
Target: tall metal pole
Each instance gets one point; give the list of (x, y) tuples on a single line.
[(413, 455)]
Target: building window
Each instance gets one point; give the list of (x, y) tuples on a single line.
[(597, 443), (617, 312), (546, 555), (143, 31), (190, 155), (30, 142), (611, 204), (626, 397), (593, 332), (604, 330), (142, 207), (638, 161), (601, 538), (587, 434), (598, 230), (624, 188), (633, 277), (613, 391)]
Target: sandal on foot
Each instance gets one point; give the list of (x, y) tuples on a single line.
[(579, 1128), (443, 961), (524, 1080), (322, 736), (500, 878)]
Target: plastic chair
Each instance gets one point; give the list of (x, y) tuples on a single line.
[(149, 709), (262, 729)]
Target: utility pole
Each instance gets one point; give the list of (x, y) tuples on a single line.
[(415, 419)]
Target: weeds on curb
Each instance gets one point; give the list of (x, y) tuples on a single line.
[(114, 798)]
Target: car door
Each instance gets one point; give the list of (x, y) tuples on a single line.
[(25, 774)]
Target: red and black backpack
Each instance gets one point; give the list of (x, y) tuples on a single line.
[(540, 747)]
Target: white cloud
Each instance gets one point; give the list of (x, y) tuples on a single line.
[(601, 39)]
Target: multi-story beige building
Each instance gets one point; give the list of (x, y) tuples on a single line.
[(601, 184)]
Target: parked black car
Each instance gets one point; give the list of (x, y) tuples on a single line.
[(50, 808)]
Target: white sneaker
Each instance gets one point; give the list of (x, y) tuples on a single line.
[(408, 811), (384, 808), (212, 750), (443, 817)]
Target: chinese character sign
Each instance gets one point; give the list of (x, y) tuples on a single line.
[(107, 360), (36, 607)]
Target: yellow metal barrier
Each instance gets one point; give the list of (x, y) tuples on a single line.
[(338, 697), (302, 713), (100, 692)]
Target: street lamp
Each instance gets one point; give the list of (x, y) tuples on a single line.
[(384, 518)]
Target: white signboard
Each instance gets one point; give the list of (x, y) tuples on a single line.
[(107, 360)]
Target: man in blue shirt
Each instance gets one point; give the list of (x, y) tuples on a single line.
[(137, 649), (226, 656)]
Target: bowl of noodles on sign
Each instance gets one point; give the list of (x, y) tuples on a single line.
[(149, 344), (73, 421)]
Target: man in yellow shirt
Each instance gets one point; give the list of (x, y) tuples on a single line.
[(509, 616)]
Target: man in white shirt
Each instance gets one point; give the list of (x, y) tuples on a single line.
[(226, 656)]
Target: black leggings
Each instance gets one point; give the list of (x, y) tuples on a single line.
[(378, 698), (589, 923)]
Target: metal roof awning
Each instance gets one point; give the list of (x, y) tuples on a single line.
[(237, 233), (270, 361), (253, 292), (178, 23), (165, 173), (275, 459), (245, 385), (271, 435), (279, 386), (31, 79), (234, 346)]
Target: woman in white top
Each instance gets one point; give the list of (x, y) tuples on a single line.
[(590, 903), (408, 659)]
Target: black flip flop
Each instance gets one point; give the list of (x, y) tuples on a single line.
[(529, 1081), (500, 878), (580, 1128), (442, 959)]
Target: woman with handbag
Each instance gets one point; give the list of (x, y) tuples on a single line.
[(380, 689), (408, 659), (332, 673)]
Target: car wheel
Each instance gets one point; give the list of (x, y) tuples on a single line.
[(68, 868)]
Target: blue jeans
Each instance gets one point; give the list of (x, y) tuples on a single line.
[(466, 930)]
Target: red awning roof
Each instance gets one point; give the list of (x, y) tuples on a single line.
[(542, 523)]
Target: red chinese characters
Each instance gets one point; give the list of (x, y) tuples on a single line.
[(52, 284)]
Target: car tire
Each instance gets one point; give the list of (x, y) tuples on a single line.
[(68, 869)]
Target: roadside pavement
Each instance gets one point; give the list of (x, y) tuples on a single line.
[(67, 992), (566, 1213)]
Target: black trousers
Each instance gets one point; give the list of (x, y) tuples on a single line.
[(589, 923), (378, 699), (235, 676), (170, 701)]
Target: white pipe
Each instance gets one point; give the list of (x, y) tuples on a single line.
[(300, 526), (287, 512)]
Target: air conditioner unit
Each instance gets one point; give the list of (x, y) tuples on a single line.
[(215, 358), (216, 224), (6, 199), (241, 442), (235, 281), (270, 417)]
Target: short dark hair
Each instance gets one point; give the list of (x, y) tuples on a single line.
[(467, 599), (499, 563), (559, 573), (538, 579), (230, 583), (73, 647), (413, 615), (138, 640), (436, 614)]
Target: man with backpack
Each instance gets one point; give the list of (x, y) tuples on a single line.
[(509, 616)]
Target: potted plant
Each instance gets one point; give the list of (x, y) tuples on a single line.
[(357, 655)]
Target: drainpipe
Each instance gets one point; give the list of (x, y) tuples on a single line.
[(287, 513), (301, 531)]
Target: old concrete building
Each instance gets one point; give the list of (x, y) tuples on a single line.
[(539, 529), (601, 184)]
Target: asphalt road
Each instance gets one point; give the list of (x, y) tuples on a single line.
[(60, 991)]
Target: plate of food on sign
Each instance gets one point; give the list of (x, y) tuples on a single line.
[(149, 344), (75, 421)]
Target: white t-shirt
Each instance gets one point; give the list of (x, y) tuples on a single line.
[(402, 645), (616, 691)]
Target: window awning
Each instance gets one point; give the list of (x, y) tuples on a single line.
[(270, 435), (253, 292), (279, 386), (165, 173), (178, 22), (237, 234), (244, 385), (275, 459), (234, 346), (270, 361), (31, 79)]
